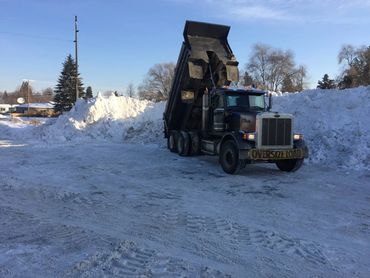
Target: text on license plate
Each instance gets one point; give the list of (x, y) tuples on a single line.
[(282, 154)]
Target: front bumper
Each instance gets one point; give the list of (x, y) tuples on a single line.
[(256, 154), (272, 155)]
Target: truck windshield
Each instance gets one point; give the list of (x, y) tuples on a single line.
[(246, 101)]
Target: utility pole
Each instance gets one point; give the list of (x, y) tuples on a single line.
[(76, 51), (28, 98)]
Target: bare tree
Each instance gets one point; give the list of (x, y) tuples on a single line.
[(3, 97), (258, 63), (357, 69), (47, 95), (275, 68), (280, 64), (288, 85), (299, 78), (48, 92), (347, 54), (26, 92), (130, 91), (157, 84), (295, 81)]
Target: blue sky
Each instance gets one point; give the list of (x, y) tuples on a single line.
[(120, 40)]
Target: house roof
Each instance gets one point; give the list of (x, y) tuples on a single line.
[(39, 105)]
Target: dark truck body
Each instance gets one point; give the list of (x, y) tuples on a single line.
[(204, 114), (204, 45)]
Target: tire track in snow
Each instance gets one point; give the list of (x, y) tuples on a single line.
[(129, 260), (289, 246), (269, 188), (239, 236), (236, 236), (67, 239), (216, 238)]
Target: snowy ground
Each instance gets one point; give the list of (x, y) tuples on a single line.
[(92, 204)]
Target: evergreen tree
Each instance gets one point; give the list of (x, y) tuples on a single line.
[(326, 83), (65, 91), (89, 93)]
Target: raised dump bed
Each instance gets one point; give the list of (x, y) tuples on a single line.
[(205, 49)]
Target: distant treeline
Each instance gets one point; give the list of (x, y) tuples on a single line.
[(272, 69), (26, 92)]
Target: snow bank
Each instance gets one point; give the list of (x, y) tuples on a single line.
[(108, 118), (18, 128), (335, 124)]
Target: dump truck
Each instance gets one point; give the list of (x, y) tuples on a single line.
[(207, 113)]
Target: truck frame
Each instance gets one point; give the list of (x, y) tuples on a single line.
[(206, 113)]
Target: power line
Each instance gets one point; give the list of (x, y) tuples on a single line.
[(35, 36)]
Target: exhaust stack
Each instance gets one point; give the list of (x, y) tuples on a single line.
[(205, 111)]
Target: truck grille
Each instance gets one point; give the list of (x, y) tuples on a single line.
[(276, 132)]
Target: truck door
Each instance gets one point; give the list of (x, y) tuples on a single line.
[(218, 112)]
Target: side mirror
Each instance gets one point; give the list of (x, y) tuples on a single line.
[(268, 103)]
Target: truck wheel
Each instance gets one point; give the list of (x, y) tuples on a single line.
[(289, 165), (229, 157), (183, 143), (194, 143), (171, 142)]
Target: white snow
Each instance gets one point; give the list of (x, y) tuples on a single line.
[(108, 118), (91, 194), (335, 124)]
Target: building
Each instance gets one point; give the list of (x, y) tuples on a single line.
[(7, 108), (36, 109)]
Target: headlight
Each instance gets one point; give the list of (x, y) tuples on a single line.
[(297, 137), (249, 136)]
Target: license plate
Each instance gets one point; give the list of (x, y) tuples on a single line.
[(276, 155)]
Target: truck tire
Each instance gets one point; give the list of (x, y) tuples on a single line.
[(229, 157), (194, 143), (289, 165), (183, 143), (172, 141)]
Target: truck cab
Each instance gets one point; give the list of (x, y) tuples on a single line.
[(236, 109)]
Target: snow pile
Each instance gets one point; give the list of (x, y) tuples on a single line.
[(335, 124), (108, 118)]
